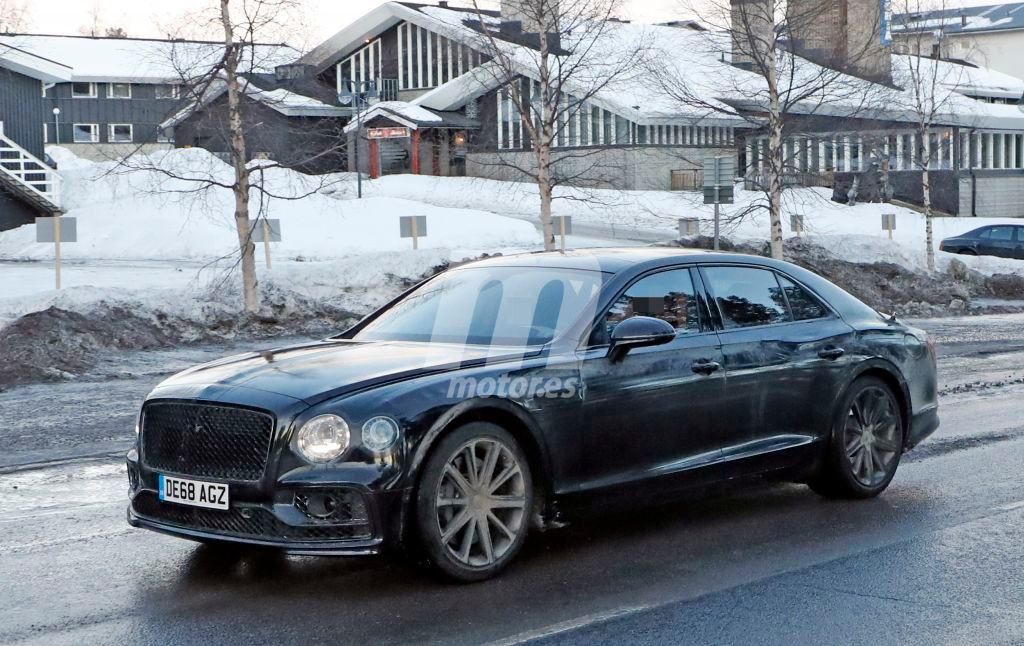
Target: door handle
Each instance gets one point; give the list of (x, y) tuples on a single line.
[(831, 353), (705, 367)]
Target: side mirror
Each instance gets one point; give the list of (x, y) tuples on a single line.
[(639, 332)]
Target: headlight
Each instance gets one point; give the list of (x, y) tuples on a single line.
[(380, 433), (323, 438)]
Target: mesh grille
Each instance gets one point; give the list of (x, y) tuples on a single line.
[(206, 440), (260, 522)]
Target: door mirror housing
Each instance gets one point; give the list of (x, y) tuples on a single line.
[(639, 332)]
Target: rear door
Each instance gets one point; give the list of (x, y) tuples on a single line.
[(998, 241), (783, 350)]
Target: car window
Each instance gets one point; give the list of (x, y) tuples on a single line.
[(999, 233), (804, 305), (747, 296), (667, 295)]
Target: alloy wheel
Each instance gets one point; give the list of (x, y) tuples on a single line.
[(480, 502), (871, 436)]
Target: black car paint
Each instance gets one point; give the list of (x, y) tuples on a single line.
[(691, 429), (971, 243)]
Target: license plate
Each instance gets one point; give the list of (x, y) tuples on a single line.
[(211, 495)]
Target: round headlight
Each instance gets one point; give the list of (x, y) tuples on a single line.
[(323, 438), (380, 433)]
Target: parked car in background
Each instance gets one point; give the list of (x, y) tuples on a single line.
[(1002, 240), (492, 398)]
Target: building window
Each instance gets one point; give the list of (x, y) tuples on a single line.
[(83, 90), (167, 91), (425, 59), (119, 133), (119, 91), (86, 133)]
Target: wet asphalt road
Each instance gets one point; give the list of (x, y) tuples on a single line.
[(937, 559)]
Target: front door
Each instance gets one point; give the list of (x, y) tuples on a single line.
[(653, 412)]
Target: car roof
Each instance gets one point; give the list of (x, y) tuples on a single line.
[(616, 259)]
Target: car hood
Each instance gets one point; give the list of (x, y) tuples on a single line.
[(323, 370)]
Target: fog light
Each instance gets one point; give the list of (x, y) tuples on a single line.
[(380, 433)]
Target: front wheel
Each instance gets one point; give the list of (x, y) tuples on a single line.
[(474, 501), (866, 443)]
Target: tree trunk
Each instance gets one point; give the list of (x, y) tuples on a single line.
[(929, 236), (238, 161), (776, 155)]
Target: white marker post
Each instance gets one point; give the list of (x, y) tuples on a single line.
[(689, 227), (564, 225), (889, 223), (56, 230), (413, 226), (265, 230)]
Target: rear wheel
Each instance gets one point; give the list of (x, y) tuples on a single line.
[(969, 252), (866, 443), (474, 501)]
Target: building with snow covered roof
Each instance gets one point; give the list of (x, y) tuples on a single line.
[(29, 186), (989, 36), (431, 66), (121, 89)]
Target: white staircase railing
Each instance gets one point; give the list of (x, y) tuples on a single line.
[(30, 173)]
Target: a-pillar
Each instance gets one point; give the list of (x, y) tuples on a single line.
[(374, 159), (415, 152)]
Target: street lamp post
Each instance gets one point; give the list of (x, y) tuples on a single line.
[(360, 95), (56, 126)]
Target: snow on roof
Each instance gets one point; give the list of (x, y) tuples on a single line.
[(288, 103), (956, 20), (702, 62), (139, 60), (407, 114), (29, 64)]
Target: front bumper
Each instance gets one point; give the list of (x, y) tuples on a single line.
[(364, 521), (923, 424)]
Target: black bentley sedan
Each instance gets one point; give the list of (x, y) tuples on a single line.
[(486, 401)]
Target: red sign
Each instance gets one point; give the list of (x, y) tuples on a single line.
[(388, 133)]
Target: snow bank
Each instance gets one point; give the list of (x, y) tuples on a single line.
[(853, 233), (130, 214)]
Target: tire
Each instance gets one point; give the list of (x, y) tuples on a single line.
[(866, 443), (968, 252), (476, 480)]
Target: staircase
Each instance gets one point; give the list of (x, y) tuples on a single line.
[(28, 178)]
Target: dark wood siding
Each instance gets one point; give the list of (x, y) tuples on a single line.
[(14, 212), (144, 111), (22, 110)]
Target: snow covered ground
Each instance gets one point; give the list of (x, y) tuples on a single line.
[(854, 233)]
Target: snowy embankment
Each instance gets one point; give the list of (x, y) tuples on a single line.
[(852, 233), (344, 255)]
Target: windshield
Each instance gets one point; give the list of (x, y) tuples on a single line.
[(507, 306)]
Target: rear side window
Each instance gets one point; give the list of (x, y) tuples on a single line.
[(747, 296), (805, 307), (666, 295), (998, 233)]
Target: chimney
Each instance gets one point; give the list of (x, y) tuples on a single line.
[(524, 21), (753, 31), (844, 35)]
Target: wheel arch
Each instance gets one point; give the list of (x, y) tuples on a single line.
[(500, 412), (891, 376)]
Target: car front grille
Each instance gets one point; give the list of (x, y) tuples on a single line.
[(255, 522), (206, 440)]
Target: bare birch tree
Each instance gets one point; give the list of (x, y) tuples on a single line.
[(565, 57), (216, 87), (930, 86), (765, 80)]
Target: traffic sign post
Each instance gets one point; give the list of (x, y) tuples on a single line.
[(265, 230), (563, 224), (56, 230), (719, 173), (889, 223), (796, 224), (413, 226)]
